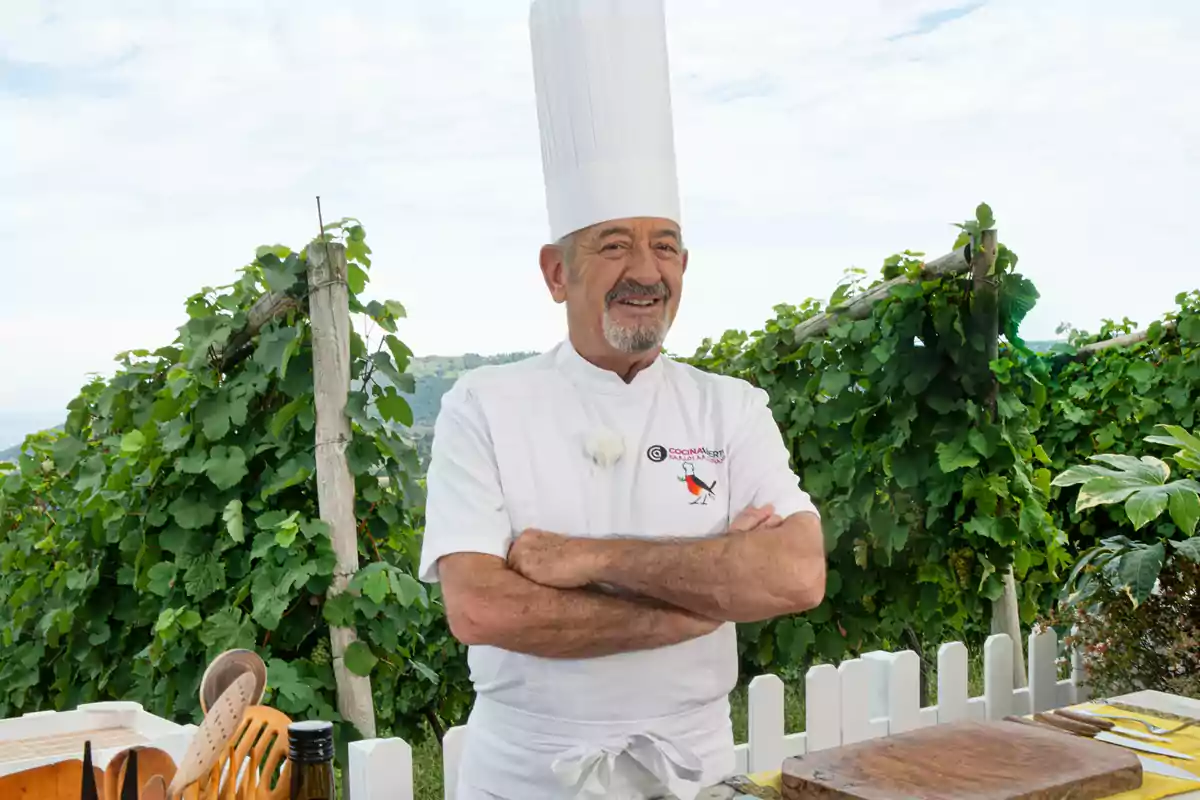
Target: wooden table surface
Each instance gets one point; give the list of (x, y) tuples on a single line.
[(1167, 703)]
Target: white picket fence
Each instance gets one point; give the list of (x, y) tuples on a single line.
[(863, 698)]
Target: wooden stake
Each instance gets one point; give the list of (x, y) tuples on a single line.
[(1128, 340), (1006, 617), (859, 307), (266, 308), (329, 315)]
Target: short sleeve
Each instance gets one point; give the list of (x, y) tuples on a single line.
[(759, 469), (464, 507)]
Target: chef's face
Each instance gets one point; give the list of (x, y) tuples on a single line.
[(621, 281)]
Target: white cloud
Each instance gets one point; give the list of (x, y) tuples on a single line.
[(167, 141)]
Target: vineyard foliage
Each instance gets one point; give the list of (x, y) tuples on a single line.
[(1110, 401), (927, 495), (176, 517), (176, 514)]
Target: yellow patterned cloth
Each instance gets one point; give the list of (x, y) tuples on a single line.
[(1153, 786)]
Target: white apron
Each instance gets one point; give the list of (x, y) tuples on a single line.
[(514, 755)]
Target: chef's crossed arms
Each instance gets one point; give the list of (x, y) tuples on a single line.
[(538, 602)]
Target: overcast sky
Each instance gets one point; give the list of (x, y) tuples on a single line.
[(147, 148)]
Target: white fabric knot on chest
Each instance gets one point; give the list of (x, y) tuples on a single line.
[(604, 448), (634, 767)]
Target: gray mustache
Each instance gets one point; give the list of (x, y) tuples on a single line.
[(632, 290)]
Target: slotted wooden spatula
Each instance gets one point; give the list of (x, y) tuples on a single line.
[(211, 738)]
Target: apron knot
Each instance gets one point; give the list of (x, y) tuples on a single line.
[(640, 766)]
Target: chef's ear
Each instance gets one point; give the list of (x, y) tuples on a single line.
[(553, 260), (683, 262)]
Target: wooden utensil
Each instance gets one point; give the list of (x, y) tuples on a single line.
[(209, 741), (1148, 764), (1101, 735), (228, 667), (1107, 724), (965, 761), (261, 745), (151, 761), (155, 789)]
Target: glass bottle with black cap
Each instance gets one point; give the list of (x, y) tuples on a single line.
[(310, 751)]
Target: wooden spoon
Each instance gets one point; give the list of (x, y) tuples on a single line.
[(151, 761), (228, 667), (209, 742), (155, 789)]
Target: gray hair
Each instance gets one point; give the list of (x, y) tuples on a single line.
[(567, 245)]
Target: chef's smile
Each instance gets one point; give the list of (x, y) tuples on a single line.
[(639, 306)]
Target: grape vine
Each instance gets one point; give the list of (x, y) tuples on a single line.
[(176, 517)]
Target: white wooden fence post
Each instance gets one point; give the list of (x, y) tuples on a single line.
[(380, 769), (879, 664), (998, 676), (823, 707), (765, 727), (854, 675), (453, 742), (953, 693), (904, 692), (1043, 674)]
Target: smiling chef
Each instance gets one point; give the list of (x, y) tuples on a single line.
[(600, 516)]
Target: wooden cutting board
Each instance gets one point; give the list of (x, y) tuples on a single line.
[(966, 761)]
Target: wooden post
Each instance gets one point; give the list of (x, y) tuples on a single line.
[(329, 315), (1006, 617), (952, 263)]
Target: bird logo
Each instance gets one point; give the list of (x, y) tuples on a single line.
[(696, 486)]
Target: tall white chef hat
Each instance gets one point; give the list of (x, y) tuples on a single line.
[(604, 110)]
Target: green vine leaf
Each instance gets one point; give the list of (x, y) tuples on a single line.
[(407, 589), (161, 578), (226, 466), (232, 517), (359, 659), (276, 349), (393, 407), (952, 456), (192, 511), (132, 443)]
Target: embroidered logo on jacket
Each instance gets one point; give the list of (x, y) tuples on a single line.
[(697, 485), (658, 454)]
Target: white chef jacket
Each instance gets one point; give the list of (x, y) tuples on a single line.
[(513, 449)]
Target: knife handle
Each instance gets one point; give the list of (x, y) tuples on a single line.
[(1067, 725), (1086, 719), (1033, 724)]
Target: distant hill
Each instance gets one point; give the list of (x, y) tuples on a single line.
[(434, 375)]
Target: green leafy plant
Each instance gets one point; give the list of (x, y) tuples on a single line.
[(1132, 607), (1109, 400), (1144, 488), (175, 516), (928, 494)]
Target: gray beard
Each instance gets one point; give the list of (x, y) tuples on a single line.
[(635, 339)]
